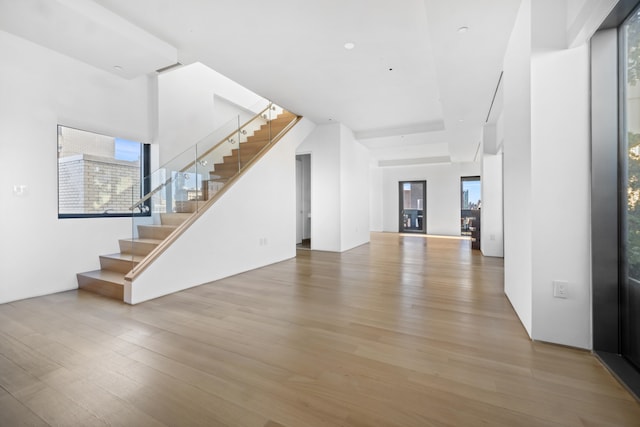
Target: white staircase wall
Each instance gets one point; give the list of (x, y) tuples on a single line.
[(250, 226)]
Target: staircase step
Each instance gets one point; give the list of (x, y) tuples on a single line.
[(121, 263), (104, 282), (188, 206), (266, 132), (138, 246), (155, 231), (247, 154), (225, 169), (252, 145), (173, 218), (217, 179), (214, 187)]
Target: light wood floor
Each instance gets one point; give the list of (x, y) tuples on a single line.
[(405, 331)]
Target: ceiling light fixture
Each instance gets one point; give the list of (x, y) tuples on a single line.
[(463, 30), (349, 45)]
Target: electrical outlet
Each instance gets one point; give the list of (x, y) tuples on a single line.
[(20, 190), (560, 289)]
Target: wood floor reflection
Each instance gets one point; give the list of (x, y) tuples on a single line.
[(404, 331)]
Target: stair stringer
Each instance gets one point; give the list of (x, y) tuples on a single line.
[(250, 226)]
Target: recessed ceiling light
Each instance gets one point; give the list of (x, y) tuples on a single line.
[(349, 45), (463, 30)]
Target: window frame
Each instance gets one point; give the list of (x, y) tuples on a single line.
[(145, 172)]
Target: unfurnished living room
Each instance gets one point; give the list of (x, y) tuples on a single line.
[(326, 213)]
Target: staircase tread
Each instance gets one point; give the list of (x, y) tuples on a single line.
[(143, 240), (173, 218), (124, 257), (105, 275)]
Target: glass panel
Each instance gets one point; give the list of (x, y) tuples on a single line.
[(630, 294)]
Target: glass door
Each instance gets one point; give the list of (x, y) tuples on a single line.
[(630, 202), (470, 204), (413, 196)]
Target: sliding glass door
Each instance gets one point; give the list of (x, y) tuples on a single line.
[(630, 203)]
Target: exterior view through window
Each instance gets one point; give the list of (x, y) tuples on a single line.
[(630, 135), (98, 175)]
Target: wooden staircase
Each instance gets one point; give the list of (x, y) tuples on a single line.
[(109, 280)]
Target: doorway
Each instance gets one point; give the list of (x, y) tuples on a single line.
[(303, 201), (413, 198), (470, 204)]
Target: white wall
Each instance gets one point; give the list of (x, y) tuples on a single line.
[(517, 168), (547, 176), (39, 89), (252, 225), (324, 146), (354, 194), (561, 195), (491, 242), (339, 188), (443, 194), (187, 111), (375, 198)]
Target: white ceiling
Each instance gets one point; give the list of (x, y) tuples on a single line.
[(412, 88)]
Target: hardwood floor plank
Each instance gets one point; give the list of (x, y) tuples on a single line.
[(404, 331), (14, 413)]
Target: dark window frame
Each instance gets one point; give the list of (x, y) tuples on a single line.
[(608, 160)]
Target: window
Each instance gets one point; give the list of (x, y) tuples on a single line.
[(630, 203), (615, 192), (98, 175)]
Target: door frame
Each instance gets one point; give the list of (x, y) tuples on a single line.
[(401, 207), (304, 188)]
